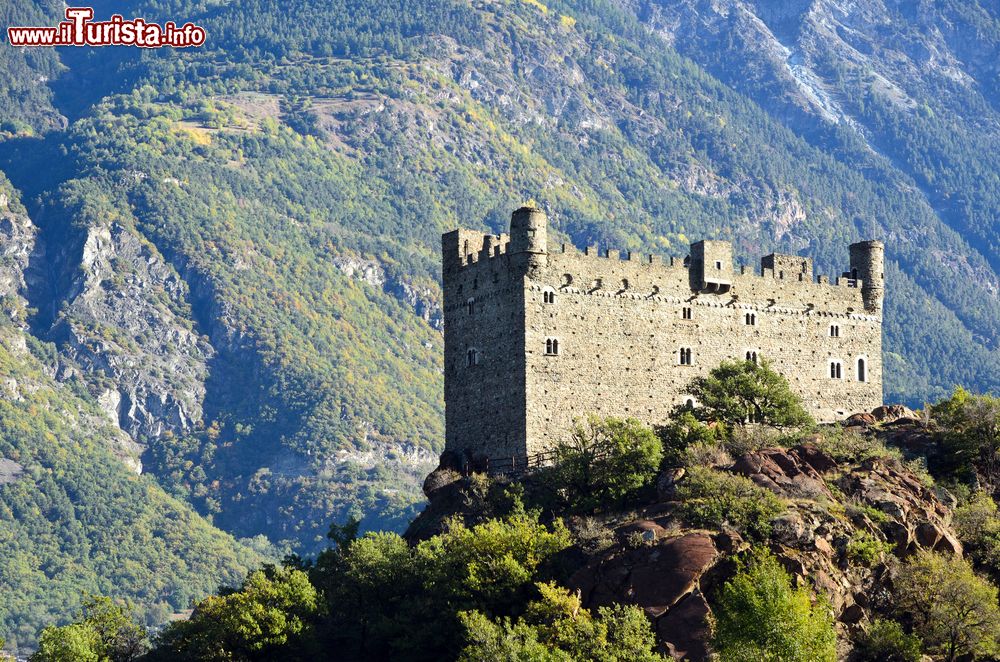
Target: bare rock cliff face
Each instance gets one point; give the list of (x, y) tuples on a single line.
[(126, 319)]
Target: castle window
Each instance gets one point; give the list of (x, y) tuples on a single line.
[(686, 313), (689, 404), (472, 357), (752, 356), (471, 305), (685, 356), (834, 330), (548, 296), (475, 283), (862, 371), (835, 370), (751, 319), (552, 346), (718, 265)]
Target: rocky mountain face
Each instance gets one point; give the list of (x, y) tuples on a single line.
[(651, 558)]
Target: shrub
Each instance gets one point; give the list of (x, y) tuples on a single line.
[(886, 641), (684, 432), (954, 610), (849, 445), (758, 617), (739, 392), (978, 525), (605, 461), (969, 437), (711, 498), (555, 627), (865, 549)]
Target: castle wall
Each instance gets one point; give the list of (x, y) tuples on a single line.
[(619, 347), (563, 334), (484, 402)]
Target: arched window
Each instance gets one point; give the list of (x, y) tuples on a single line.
[(752, 356), (836, 370), (685, 356), (548, 296), (689, 404), (862, 371), (686, 313), (472, 357), (834, 330), (751, 319), (552, 346), (471, 305)]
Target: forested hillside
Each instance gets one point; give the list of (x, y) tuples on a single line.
[(237, 245)]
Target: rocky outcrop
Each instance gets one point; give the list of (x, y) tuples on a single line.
[(17, 240), (664, 578), (424, 301), (126, 320)]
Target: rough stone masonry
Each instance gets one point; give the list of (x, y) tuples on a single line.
[(535, 338)]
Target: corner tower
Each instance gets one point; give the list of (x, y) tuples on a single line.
[(868, 266), (529, 239)]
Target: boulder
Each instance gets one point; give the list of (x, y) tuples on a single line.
[(891, 413), (863, 420), (684, 630), (654, 577), (438, 480), (666, 482)]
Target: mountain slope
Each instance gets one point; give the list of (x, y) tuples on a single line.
[(237, 245)]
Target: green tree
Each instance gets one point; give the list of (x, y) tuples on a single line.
[(605, 460), (886, 641), (105, 632), (739, 392), (978, 526), (556, 627), (954, 610), (759, 617), (969, 436), (76, 642), (274, 609), (380, 590)]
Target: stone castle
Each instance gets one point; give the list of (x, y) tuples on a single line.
[(535, 337)]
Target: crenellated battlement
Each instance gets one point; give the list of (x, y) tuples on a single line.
[(537, 336), (709, 266)]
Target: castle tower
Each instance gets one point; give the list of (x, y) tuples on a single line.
[(712, 266), (529, 238), (868, 265)]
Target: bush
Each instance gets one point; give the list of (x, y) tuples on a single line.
[(978, 525), (759, 617), (710, 498), (849, 445), (684, 432), (557, 628), (739, 392), (885, 641), (954, 610), (867, 550), (605, 461), (969, 438)]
